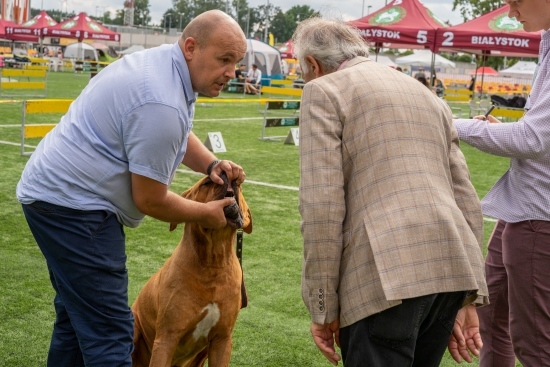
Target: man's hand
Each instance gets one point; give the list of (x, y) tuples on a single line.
[(232, 170), (492, 119), (324, 336), (465, 337)]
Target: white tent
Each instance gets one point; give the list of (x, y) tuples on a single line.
[(424, 58), (132, 49), (266, 57), (521, 69), (80, 51), (383, 60)]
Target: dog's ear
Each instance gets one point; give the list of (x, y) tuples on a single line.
[(247, 217), (247, 226), (187, 194)]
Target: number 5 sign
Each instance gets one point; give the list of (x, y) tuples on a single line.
[(214, 142)]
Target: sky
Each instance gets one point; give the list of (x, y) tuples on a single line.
[(342, 9)]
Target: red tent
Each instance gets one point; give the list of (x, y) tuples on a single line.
[(287, 50), (32, 27), (81, 27), (490, 34), (400, 24), (487, 70), (6, 27)]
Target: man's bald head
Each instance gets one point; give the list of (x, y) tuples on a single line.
[(206, 24)]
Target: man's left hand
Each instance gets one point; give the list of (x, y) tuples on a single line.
[(232, 170), (324, 336)]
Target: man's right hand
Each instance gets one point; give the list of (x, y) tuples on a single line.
[(214, 216)]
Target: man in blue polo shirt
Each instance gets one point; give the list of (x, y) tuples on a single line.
[(107, 164)]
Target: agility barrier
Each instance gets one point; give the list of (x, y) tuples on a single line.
[(291, 92), (37, 64), (41, 106), (291, 118), (507, 113), (457, 95), (23, 82)]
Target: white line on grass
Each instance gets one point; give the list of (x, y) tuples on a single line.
[(293, 188), (15, 144), (283, 187)]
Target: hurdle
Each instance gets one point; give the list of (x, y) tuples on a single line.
[(40, 106), (20, 80), (508, 113)]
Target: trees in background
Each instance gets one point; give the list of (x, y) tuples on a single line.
[(470, 9)]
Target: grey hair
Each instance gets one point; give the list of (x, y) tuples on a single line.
[(329, 41)]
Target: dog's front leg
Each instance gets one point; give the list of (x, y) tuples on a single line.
[(219, 352), (163, 351)]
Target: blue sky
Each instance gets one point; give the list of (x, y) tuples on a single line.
[(346, 10)]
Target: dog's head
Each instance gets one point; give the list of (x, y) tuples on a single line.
[(205, 190)]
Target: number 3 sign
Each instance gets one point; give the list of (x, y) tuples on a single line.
[(214, 142)]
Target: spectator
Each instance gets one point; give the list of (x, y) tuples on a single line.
[(420, 74), (516, 324), (439, 86), (240, 73), (399, 69), (253, 80), (107, 164), (393, 259), (472, 84), (425, 83)]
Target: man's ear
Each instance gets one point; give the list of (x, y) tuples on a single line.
[(314, 66), (189, 48)]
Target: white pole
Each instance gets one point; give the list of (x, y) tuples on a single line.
[(266, 22)]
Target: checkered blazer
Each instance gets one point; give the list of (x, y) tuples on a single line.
[(388, 209)]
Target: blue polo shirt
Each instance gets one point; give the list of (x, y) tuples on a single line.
[(133, 117)]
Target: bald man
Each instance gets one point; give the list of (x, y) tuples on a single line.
[(107, 164)]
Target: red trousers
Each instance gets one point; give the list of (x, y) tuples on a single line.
[(517, 321)]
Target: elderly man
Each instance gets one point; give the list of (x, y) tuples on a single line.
[(392, 226), (107, 164)]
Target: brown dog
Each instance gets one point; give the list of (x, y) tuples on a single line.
[(187, 311)]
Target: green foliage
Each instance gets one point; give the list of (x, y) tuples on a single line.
[(470, 9), (273, 330)]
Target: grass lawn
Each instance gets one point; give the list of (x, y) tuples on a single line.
[(274, 329)]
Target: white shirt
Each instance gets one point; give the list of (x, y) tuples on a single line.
[(255, 75), (523, 192)]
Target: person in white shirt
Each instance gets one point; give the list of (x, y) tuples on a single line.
[(253, 79)]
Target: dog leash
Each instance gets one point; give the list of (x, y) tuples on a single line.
[(239, 248)]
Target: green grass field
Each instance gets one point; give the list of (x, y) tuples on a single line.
[(274, 329)]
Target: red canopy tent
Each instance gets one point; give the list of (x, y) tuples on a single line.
[(491, 34), (400, 24), (81, 27), (32, 27), (487, 70), (287, 50), (6, 27)]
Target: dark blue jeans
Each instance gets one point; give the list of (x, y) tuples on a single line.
[(414, 333), (85, 254)]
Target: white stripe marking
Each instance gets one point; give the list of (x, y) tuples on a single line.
[(210, 320)]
